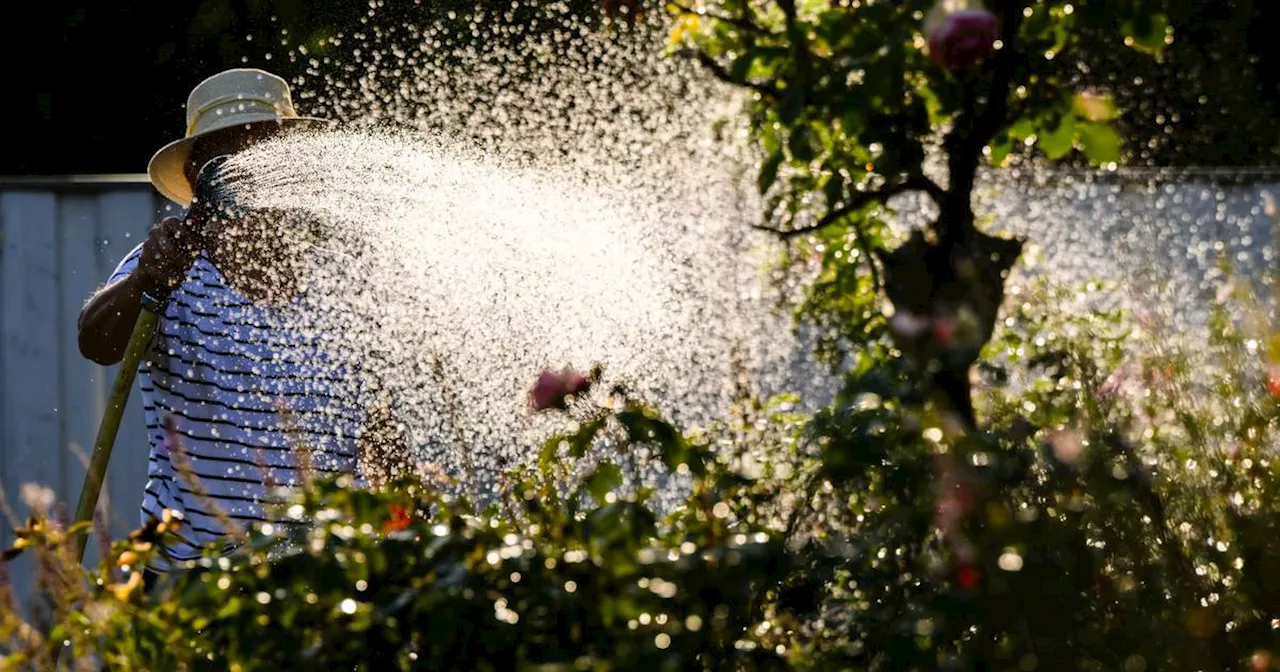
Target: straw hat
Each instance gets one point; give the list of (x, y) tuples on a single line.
[(225, 103)]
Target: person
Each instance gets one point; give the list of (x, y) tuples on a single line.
[(239, 389)]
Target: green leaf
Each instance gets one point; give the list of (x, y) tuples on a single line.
[(547, 456), (1099, 142), (1000, 150), (932, 104), (769, 171), (1022, 129), (578, 442), (1058, 142), (1147, 32), (231, 608), (605, 478), (852, 122), (643, 425)]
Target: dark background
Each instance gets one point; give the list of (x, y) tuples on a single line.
[(97, 87)]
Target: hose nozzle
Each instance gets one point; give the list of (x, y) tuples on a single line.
[(210, 201)]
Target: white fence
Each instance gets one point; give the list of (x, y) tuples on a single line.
[(61, 239)]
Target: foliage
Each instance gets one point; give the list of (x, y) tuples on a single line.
[(1076, 531), (572, 572)]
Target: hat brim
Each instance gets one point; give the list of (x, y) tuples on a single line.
[(166, 168)]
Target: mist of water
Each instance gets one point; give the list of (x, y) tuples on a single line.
[(513, 193), (524, 203)]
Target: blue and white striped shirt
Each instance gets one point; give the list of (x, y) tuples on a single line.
[(247, 386)]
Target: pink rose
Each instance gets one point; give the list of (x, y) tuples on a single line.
[(963, 38), (553, 387)]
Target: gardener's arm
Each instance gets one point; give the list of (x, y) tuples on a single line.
[(107, 319)]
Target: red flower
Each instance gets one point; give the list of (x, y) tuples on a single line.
[(963, 38), (968, 576), (944, 331), (1273, 380), (553, 387), (399, 519)]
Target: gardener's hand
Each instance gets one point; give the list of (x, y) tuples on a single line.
[(168, 252)]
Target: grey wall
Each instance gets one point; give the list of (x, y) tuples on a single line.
[(1161, 235), (61, 238)]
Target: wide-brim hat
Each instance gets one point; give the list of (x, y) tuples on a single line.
[(228, 102)]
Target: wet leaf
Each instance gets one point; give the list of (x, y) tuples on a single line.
[(1147, 32), (1058, 142), (769, 171), (1099, 142)]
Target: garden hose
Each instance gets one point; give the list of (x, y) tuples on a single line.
[(139, 340)]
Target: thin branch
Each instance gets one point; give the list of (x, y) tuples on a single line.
[(721, 73), (865, 248), (973, 130), (798, 39), (994, 116), (861, 200), (744, 23)]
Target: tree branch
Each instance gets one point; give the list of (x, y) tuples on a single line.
[(974, 129), (799, 42), (744, 22), (1006, 61), (864, 248), (861, 200), (721, 73)]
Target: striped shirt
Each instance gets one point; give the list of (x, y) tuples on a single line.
[(247, 386)]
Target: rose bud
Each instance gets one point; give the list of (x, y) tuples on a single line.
[(962, 38), (1273, 380), (552, 388)]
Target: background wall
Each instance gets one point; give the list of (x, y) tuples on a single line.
[(61, 238)]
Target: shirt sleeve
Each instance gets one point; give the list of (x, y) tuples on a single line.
[(126, 265)]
